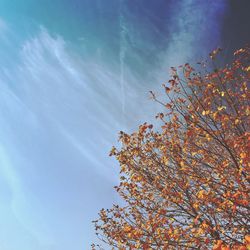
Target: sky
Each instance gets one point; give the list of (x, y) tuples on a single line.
[(72, 75)]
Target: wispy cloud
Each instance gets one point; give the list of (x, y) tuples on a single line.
[(195, 29), (57, 116)]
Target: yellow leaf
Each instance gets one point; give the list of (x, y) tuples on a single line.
[(236, 121), (127, 229), (165, 160), (247, 111), (221, 108), (195, 205), (158, 231), (182, 163), (200, 194), (208, 137)]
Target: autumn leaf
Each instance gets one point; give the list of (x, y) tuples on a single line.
[(218, 245), (214, 53)]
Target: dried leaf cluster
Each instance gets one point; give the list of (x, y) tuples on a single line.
[(187, 185)]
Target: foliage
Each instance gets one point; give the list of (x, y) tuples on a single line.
[(187, 186)]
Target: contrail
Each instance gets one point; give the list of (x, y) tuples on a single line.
[(122, 54)]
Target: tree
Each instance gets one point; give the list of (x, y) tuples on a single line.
[(187, 185)]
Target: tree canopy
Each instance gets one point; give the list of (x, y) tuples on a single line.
[(186, 185)]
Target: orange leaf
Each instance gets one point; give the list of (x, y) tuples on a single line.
[(218, 245)]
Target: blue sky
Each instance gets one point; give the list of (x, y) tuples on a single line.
[(72, 75)]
